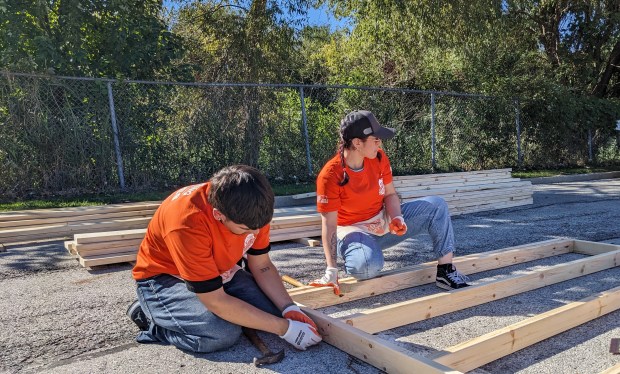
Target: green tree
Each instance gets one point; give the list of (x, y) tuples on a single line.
[(240, 41), (98, 38)]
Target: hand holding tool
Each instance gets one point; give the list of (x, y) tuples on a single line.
[(268, 356), (301, 335)]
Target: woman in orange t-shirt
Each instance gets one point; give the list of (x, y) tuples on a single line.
[(361, 212)]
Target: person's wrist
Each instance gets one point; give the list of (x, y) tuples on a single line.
[(285, 307), (282, 327)]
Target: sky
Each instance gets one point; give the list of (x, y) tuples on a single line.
[(316, 17)]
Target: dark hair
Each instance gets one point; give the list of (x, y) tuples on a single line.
[(346, 144), (243, 195)]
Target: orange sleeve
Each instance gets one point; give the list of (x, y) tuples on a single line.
[(262, 239), (327, 190)]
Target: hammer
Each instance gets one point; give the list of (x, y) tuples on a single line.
[(268, 356)]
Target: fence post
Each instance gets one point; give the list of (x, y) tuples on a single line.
[(117, 148), (590, 157), (518, 123), (433, 149), (304, 121)]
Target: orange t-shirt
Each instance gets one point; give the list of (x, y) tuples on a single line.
[(362, 197), (185, 240)]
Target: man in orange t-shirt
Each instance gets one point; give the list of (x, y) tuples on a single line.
[(361, 213), (192, 292)]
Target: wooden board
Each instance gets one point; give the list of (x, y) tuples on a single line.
[(412, 276), (389, 357), (465, 192), (391, 316), (502, 342)]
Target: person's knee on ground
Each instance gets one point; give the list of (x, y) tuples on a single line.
[(362, 256), (225, 337)]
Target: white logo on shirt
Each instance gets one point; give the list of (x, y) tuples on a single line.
[(381, 187), (249, 240), (229, 274), (186, 191), (322, 199)]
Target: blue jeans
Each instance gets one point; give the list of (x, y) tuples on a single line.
[(179, 318), (362, 252)]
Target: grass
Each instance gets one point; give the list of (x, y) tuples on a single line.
[(116, 198), (555, 172), (279, 190)]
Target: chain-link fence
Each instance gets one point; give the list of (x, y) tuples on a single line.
[(65, 135)]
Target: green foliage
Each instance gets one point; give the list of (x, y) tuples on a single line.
[(98, 38), (558, 58)]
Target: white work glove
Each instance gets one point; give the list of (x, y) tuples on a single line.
[(330, 279), (294, 312), (301, 335)]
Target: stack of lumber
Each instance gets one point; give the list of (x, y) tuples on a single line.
[(111, 234), (93, 249), (46, 224), (468, 192)]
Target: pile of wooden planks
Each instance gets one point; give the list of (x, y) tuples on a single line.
[(353, 333), (94, 249), (468, 192), (49, 224), (110, 234)]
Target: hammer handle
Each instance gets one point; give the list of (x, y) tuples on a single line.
[(292, 281), (256, 340)]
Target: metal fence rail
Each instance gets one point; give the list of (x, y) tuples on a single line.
[(67, 135)]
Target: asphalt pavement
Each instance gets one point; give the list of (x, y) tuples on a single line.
[(58, 317)]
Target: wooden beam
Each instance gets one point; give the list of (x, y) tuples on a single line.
[(493, 206), (496, 344), (382, 354), (592, 248), (70, 247), (108, 259), (459, 174), (109, 236), (425, 273), (400, 314), (414, 186), (466, 187), (103, 251), (75, 218), (293, 281), (308, 242), (612, 370), (107, 244), (303, 195), (63, 212)]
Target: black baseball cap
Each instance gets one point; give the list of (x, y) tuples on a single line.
[(361, 124)]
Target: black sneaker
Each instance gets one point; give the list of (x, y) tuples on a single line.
[(449, 278), (137, 316)]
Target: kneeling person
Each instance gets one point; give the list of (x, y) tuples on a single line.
[(192, 293)]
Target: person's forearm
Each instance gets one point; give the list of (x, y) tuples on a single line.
[(269, 280), (330, 245), (241, 313), (392, 206)]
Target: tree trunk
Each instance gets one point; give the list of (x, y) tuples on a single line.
[(613, 66), (255, 30)]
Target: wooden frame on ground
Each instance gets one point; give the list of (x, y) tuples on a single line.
[(352, 334)]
